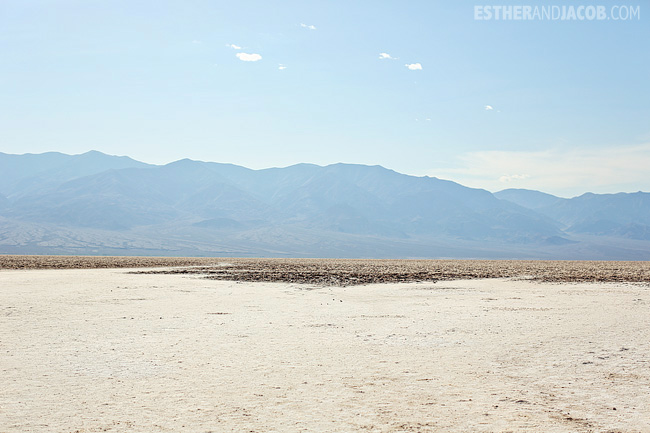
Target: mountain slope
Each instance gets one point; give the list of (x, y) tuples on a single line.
[(122, 199), (64, 203), (343, 198), (528, 198), (22, 174), (623, 214)]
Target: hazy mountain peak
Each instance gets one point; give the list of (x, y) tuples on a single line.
[(305, 209), (21, 174), (527, 198)]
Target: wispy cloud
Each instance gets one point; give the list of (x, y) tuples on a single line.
[(386, 56), (414, 66), (512, 177), (556, 170), (281, 67), (233, 46), (196, 41), (248, 57), (305, 26), (489, 107)]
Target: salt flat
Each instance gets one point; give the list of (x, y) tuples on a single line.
[(88, 350)]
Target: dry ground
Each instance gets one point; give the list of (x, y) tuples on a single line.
[(350, 272), (90, 350)]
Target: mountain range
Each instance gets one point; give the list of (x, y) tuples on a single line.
[(93, 203)]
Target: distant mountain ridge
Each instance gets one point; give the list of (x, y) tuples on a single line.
[(21, 174), (620, 215), (527, 198), (83, 203)]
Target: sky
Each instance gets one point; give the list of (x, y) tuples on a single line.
[(420, 87)]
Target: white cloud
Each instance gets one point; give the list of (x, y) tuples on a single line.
[(556, 170), (305, 26), (414, 66), (195, 41), (489, 107), (233, 46), (386, 56), (248, 57), (511, 177), (282, 67)]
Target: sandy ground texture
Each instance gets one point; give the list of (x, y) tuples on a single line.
[(92, 350)]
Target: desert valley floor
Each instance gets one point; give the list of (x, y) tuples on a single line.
[(242, 345)]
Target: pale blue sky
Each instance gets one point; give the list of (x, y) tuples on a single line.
[(158, 81)]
